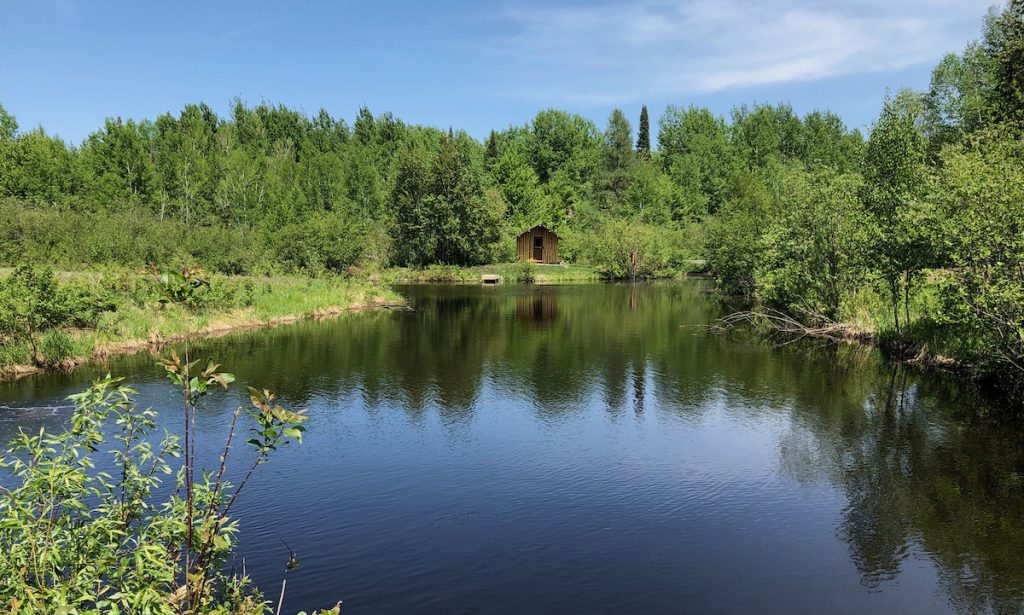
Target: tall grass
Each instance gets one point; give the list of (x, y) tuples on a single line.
[(231, 302)]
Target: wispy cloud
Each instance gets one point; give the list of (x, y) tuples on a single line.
[(608, 53), (231, 34)]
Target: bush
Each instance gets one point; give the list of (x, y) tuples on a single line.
[(734, 245), (31, 302), (814, 252), (524, 272), (623, 249), (322, 242), (80, 540), (980, 208), (56, 347), (74, 238)]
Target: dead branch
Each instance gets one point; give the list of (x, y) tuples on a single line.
[(785, 325)]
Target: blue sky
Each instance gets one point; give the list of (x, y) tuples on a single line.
[(475, 65)]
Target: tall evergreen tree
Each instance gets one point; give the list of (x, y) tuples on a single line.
[(491, 150), (643, 139)]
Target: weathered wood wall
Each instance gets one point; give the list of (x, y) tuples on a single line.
[(524, 246)]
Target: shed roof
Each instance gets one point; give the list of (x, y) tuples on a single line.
[(542, 227)]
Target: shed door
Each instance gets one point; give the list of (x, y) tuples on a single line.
[(538, 248)]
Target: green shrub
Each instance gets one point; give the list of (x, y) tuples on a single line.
[(75, 238), (15, 353), (524, 272), (624, 249), (56, 347), (322, 242), (734, 246), (980, 207), (813, 254), (30, 303), (77, 540)]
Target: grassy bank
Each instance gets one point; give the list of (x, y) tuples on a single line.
[(130, 315), (60, 320), (508, 272), (511, 273)]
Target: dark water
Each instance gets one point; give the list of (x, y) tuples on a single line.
[(590, 449)]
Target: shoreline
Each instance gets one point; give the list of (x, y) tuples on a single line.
[(211, 331), (768, 323)]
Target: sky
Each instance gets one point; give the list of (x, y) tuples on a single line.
[(67, 65)]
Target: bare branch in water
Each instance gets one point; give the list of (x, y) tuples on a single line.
[(780, 323)]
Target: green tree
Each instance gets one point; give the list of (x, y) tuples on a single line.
[(564, 142), (696, 153), (326, 134), (119, 163), (8, 131), (322, 180), (825, 140), (895, 179), (241, 188), (643, 139), (491, 152), (618, 153), (193, 166), (518, 184), (413, 241), (766, 134), (39, 167), (1004, 42), (8, 125), (651, 196), (284, 201), (980, 201), (960, 98), (363, 184), (463, 229), (814, 252), (735, 246)]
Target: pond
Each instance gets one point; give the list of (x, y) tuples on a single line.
[(592, 448)]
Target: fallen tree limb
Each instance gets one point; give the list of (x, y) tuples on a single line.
[(782, 324)]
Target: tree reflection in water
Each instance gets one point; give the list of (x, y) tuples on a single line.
[(923, 470)]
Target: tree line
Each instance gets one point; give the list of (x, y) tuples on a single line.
[(913, 228), (314, 193)]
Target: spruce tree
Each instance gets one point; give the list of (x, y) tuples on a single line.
[(491, 151), (643, 140)]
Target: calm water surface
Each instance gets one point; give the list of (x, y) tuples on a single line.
[(591, 449)]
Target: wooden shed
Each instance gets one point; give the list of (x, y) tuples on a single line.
[(537, 245)]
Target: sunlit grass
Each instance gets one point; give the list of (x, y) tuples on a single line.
[(544, 274), (234, 302)]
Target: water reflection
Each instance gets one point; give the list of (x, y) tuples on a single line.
[(539, 307), (551, 414), (920, 472)]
